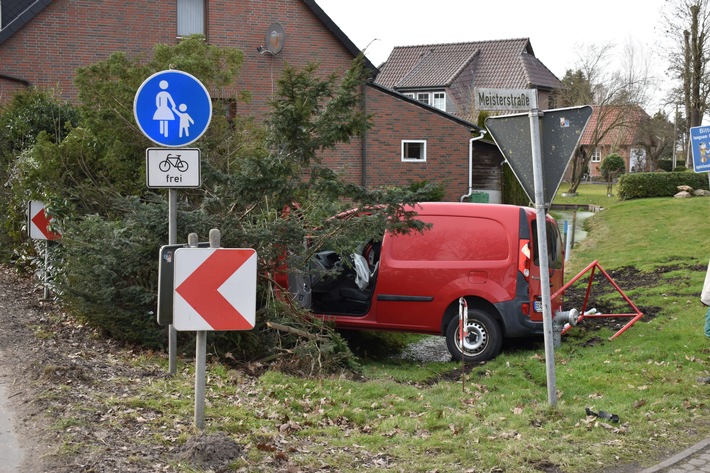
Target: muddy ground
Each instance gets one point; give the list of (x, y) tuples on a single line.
[(60, 372)]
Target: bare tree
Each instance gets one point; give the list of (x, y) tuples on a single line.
[(611, 92), (687, 33)]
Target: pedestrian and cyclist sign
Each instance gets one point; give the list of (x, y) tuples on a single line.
[(172, 108), (172, 167)]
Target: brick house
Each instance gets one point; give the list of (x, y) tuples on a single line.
[(444, 75), (622, 130), (42, 43)]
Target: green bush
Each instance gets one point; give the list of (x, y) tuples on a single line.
[(612, 166), (658, 184), (513, 193)]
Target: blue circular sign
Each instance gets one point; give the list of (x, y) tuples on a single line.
[(172, 108)]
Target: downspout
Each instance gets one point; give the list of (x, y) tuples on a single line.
[(363, 150), (24, 82), (470, 164)]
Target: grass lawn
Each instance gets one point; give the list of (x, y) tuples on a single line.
[(408, 416)]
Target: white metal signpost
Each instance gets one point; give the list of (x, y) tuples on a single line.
[(173, 109), (39, 228), (519, 142), (215, 289)]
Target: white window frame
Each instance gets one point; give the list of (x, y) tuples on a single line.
[(597, 155), (190, 17), (422, 153), (409, 94), (424, 97), (438, 100)]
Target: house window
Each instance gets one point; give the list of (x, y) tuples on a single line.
[(191, 17), (597, 155), (439, 100), (423, 97), (409, 94), (414, 151)]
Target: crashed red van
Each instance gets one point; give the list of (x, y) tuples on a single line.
[(485, 253)]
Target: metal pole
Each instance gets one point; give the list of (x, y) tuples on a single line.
[(542, 253), (568, 239), (172, 240), (201, 346), (200, 359), (200, 375), (45, 295)]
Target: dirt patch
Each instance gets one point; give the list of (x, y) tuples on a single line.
[(213, 452)]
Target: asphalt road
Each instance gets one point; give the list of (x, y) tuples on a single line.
[(11, 453)]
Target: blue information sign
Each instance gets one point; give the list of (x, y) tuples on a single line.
[(172, 108), (700, 145)]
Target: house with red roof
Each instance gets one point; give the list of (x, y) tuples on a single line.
[(617, 129), (43, 42)]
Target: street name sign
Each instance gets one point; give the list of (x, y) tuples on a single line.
[(215, 289), (505, 99), (38, 223), (700, 146), (561, 130), (172, 108), (172, 167)]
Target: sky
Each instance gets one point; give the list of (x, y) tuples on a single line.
[(557, 30)]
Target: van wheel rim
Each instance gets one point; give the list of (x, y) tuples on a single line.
[(475, 340)]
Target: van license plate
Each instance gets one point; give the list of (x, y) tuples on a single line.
[(537, 305)]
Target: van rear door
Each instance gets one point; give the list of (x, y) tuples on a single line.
[(555, 265)]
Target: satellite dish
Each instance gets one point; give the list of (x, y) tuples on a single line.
[(275, 38)]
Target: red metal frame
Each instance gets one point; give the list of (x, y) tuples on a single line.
[(637, 314)]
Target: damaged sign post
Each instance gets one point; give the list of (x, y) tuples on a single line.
[(520, 140), (215, 289)]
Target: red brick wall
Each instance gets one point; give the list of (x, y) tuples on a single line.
[(397, 120), (72, 33)]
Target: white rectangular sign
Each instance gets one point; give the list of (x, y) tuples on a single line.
[(505, 99), (172, 167)]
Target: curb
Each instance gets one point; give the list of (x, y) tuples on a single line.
[(679, 457)]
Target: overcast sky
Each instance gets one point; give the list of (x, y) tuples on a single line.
[(556, 29)]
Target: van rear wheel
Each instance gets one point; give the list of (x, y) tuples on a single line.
[(483, 339)]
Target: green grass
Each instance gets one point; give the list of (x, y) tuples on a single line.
[(419, 417)]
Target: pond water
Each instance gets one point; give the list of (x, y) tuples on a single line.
[(568, 215)]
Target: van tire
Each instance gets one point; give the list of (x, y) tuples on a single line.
[(485, 338)]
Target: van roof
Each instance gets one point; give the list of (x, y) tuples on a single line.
[(468, 209)]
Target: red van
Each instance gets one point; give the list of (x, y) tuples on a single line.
[(412, 283)]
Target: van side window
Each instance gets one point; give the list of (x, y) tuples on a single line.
[(554, 245), (484, 240)]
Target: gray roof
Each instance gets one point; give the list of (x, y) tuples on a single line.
[(17, 13), (507, 63)]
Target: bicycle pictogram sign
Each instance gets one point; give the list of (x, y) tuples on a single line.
[(169, 168), (173, 161)]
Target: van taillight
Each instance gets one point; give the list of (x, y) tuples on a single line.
[(524, 258), (525, 307)]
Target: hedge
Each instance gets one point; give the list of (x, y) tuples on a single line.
[(643, 185)]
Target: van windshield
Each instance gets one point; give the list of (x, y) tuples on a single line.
[(554, 245)]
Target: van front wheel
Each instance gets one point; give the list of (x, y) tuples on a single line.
[(482, 341)]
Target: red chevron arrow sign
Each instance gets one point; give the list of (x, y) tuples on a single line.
[(215, 289), (39, 223)]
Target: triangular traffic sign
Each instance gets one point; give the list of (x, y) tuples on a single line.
[(560, 132)]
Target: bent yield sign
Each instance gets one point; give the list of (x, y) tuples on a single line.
[(215, 289)]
